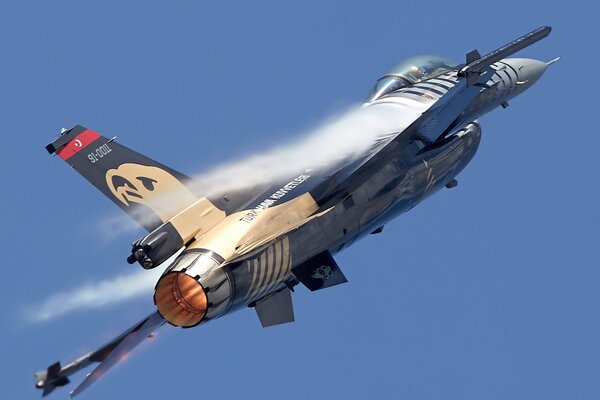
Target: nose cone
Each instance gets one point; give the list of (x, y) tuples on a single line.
[(528, 71)]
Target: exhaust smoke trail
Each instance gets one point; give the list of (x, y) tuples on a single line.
[(97, 295)]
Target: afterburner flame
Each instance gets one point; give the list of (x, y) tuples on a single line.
[(180, 299)]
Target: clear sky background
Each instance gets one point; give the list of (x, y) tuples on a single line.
[(486, 291)]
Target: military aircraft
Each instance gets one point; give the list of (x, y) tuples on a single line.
[(251, 247)]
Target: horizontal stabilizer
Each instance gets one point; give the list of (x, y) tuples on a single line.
[(319, 272), (276, 309)]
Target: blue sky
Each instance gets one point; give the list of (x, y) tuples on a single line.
[(487, 291)]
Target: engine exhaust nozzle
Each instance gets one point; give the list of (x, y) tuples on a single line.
[(180, 299)]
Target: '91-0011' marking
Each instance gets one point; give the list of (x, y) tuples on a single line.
[(100, 152)]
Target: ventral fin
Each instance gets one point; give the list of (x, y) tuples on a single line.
[(276, 309)]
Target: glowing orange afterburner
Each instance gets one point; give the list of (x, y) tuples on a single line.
[(180, 299)]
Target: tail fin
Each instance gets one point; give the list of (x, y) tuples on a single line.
[(150, 192)]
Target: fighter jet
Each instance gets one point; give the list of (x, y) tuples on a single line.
[(251, 247)]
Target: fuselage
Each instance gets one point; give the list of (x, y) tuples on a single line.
[(211, 281)]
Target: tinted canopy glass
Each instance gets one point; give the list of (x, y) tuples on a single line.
[(410, 71)]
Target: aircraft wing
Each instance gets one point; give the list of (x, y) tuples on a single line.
[(427, 127), (107, 355)]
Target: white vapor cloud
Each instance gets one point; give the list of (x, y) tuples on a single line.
[(343, 136), (346, 135)]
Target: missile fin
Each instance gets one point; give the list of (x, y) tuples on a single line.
[(472, 56)]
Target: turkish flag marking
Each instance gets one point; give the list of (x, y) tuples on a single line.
[(77, 144)]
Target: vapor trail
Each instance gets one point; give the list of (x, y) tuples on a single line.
[(97, 295), (344, 136)]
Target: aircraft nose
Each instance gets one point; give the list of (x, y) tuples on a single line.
[(528, 71)]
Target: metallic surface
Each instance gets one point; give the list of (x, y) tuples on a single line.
[(201, 291)]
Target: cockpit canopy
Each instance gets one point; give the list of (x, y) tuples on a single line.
[(410, 71)]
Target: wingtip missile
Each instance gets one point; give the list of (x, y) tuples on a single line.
[(477, 66)]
